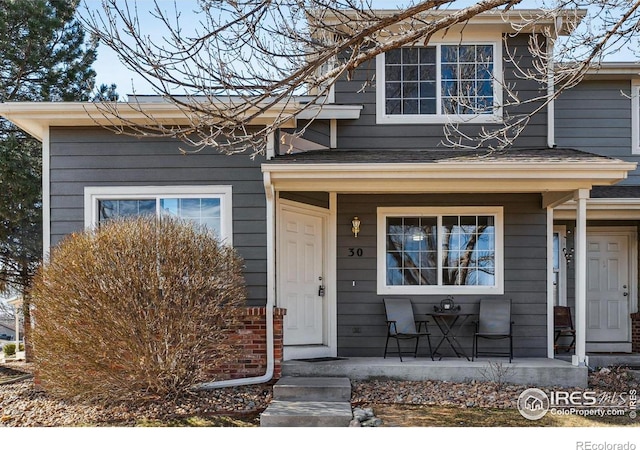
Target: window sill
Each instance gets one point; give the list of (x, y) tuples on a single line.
[(384, 119), (440, 290)]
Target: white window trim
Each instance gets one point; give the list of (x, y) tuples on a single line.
[(497, 117), (635, 117), (384, 212), (94, 193)]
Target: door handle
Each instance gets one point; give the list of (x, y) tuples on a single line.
[(321, 291)]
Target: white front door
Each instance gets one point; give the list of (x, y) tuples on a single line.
[(608, 291), (300, 274)]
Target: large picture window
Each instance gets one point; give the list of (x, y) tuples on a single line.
[(445, 250), (438, 83), (209, 206)]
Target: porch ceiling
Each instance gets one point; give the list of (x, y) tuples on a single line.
[(387, 171)]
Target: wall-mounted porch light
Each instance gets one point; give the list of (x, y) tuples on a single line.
[(568, 254), (355, 226)]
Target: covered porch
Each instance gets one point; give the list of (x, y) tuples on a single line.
[(337, 186)]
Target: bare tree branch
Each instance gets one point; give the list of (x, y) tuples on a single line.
[(248, 58)]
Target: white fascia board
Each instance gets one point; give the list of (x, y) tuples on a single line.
[(331, 111), (602, 209), (447, 177), (36, 117), (562, 21)]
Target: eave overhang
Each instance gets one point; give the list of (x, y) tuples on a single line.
[(447, 177), (36, 117)]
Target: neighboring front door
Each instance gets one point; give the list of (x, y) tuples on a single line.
[(607, 291), (300, 274)]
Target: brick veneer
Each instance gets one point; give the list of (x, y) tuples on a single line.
[(635, 332), (251, 336)]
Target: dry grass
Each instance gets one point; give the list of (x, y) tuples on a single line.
[(436, 416)]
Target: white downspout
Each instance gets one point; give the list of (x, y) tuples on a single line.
[(551, 111), (270, 213)]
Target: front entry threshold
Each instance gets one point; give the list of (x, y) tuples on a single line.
[(609, 347), (307, 351)]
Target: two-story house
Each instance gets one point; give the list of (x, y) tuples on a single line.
[(380, 208)]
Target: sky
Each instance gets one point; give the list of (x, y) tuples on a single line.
[(110, 70)]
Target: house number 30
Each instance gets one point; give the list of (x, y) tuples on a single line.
[(355, 252)]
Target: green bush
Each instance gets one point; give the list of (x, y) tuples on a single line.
[(9, 349), (136, 309)]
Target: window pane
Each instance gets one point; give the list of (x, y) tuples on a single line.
[(427, 73), (428, 106), (110, 209), (410, 90), (410, 106), (201, 211), (393, 90), (393, 73), (469, 259), (410, 73), (428, 90), (409, 56), (404, 69), (449, 53), (411, 251), (392, 56), (427, 55), (393, 106)]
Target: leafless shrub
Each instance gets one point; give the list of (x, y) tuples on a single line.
[(496, 372), (137, 309)]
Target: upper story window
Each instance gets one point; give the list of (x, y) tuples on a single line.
[(209, 206), (440, 83)]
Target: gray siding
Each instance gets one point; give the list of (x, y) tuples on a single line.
[(361, 319), (96, 157), (595, 116)]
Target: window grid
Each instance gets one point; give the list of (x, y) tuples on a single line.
[(453, 80), (466, 79), (440, 250)]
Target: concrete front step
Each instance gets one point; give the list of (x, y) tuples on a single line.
[(309, 402), (306, 414), (320, 389)]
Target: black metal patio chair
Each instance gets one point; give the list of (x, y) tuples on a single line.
[(401, 325), (494, 322), (563, 326)]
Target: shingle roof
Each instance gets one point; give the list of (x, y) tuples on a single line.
[(390, 156), (615, 192)]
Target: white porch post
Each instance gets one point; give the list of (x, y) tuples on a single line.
[(580, 245), (550, 299)]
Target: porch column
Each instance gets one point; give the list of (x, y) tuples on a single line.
[(580, 245), (550, 299)]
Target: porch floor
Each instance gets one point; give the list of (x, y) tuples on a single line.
[(535, 372)]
